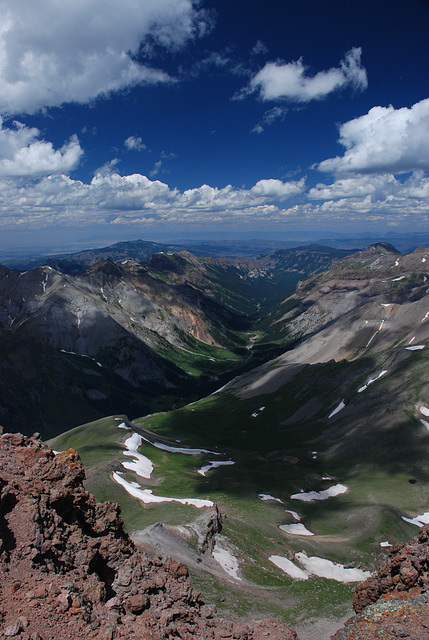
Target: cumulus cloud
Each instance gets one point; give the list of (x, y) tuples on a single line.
[(291, 81), (55, 52), (23, 154), (110, 196), (135, 143), (384, 140)]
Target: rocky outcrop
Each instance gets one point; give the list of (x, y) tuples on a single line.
[(394, 601), (69, 570)]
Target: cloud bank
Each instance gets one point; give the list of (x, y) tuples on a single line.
[(384, 140), (291, 81), (56, 52)]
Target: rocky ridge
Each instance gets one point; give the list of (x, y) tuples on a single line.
[(69, 570), (394, 601)]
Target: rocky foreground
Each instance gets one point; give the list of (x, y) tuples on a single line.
[(68, 570), (394, 601)]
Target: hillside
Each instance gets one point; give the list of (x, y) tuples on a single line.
[(319, 457), (133, 336)]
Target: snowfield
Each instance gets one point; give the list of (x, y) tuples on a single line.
[(311, 496)]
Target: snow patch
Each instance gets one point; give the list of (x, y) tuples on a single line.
[(331, 570), (296, 529), (142, 466), (371, 380), (186, 450), (425, 423), (385, 544), (311, 496), (424, 410), (426, 317), (294, 514), (397, 279), (266, 496), (287, 566), (415, 347), (212, 464), (225, 558), (337, 409), (147, 497), (419, 521)]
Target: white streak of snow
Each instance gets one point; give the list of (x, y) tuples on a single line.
[(371, 380), (294, 514), (412, 339), (415, 347), (287, 566), (426, 316), (186, 450), (122, 425), (310, 496), (212, 464), (296, 529), (266, 496), (385, 544), (396, 279), (146, 495), (425, 423), (337, 409)]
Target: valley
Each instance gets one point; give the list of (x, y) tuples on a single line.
[(267, 417)]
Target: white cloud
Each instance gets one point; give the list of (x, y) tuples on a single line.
[(277, 80), (384, 140), (23, 154), (376, 186), (269, 117), (133, 198), (134, 143), (73, 51)]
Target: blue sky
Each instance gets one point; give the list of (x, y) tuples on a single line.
[(173, 118)]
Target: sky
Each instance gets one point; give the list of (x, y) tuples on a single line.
[(162, 119)]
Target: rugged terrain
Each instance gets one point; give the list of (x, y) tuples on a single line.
[(68, 569), (133, 337), (322, 451)]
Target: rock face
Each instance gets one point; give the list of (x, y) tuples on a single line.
[(69, 570), (394, 602)]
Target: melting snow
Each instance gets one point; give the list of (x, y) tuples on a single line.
[(424, 259), (266, 496), (385, 544), (142, 466), (213, 464), (424, 411), (122, 425), (294, 514), (371, 380), (340, 406), (331, 570), (296, 529), (426, 316), (415, 347), (397, 263), (387, 304), (310, 496), (412, 339), (146, 495), (227, 561), (425, 423), (289, 567), (186, 450), (396, 279), (419, 521), (81, 355)]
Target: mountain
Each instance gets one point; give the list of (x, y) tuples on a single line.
[(318, 457), (133, 336)]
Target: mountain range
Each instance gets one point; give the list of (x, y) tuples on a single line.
[(291, 390)]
